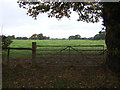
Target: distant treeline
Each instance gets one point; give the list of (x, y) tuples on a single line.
[(33, 37), (99, 36), (39, 37)]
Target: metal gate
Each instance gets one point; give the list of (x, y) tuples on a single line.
[(70, 55)]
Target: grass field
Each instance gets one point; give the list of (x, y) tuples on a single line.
[(25, 54), (27, 43), (22, 74)]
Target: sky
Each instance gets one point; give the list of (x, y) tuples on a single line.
[(15, 21)]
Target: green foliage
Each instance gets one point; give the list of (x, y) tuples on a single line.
[(6, 41), (34, 37), (100, 36), (87, 11), (75, 37), (11, 37), (38, 37), (21, 38)]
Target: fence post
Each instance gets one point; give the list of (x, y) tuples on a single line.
[(33, 52), (8, 56), (103, 50), (69, 50)]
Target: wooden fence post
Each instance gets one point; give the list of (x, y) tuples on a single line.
[(33, 52), (103, 50), (8, 56)]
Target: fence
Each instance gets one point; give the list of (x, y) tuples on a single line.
[(49, 54), (35, 47), (72, 48)]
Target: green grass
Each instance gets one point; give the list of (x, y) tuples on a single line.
[(28, 43), (26, 54)]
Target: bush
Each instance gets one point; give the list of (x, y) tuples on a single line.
[(6, 41)]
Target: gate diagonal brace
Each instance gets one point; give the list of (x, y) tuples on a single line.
[(79, 52), (74, 50), (62, 50)]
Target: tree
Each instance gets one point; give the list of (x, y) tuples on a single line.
[(75, 37), (39, 37), (18, 38), (21, 38), (100, 36), (71, 37), (6, 41), (111, 17), (11, 37), (89, 12), (34, 37), (24, 38)]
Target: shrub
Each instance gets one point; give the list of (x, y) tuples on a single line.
[(6, 41)]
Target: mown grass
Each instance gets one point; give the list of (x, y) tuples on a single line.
[(25, 54), (28, 43)]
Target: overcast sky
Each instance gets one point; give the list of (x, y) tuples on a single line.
[(15, 21)]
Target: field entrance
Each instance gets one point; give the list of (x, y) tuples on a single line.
[(82, 55)]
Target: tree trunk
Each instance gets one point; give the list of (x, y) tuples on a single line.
[(111, 17)]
